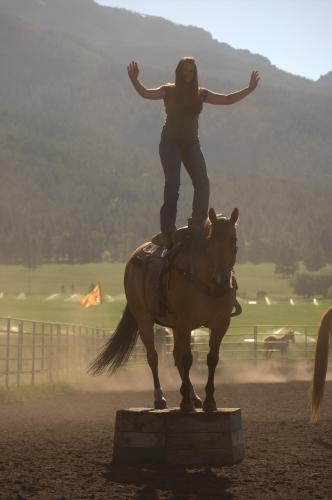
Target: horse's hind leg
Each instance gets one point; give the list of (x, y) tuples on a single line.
[(147, 336)]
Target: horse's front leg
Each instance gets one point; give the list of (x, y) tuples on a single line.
[(216, 337), (193, 394), (183, 359)]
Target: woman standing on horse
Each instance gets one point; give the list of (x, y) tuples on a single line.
[(179, 139)]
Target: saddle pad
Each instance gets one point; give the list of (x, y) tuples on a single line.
[(155, 264), (152, 258)]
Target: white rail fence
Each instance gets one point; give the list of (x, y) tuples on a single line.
[(34, 351)]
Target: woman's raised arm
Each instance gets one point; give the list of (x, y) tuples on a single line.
[(214, 98), (154, 94)]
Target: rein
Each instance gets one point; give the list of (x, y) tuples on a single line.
[(217, 291), (210, 291)]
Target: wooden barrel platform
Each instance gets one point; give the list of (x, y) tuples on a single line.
[(170, 436)]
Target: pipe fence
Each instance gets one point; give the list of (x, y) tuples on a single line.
[(34, 351)]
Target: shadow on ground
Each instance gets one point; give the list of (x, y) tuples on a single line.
[(167, 481)]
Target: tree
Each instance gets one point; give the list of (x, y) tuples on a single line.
[(309, 284), (286, 261)]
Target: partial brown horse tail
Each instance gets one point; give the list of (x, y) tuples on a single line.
[(118, 348), (321, 360)]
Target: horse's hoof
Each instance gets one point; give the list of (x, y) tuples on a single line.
[(197, 402), (209, 406), (161, 404), (187, 407)]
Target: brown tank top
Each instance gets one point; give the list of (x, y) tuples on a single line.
[(179, 125)]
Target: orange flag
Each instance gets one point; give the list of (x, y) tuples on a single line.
[(93, 298)]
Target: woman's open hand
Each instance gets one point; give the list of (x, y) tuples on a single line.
[(254, 80), (133, 71)]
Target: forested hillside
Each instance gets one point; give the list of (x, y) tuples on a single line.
[(80, 173)]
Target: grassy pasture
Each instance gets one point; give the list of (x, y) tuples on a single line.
[(37, 308), (47, 280)]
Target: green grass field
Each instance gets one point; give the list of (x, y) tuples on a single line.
[(46, 280)]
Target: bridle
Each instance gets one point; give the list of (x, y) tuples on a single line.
[(223, 283), (228, 282)]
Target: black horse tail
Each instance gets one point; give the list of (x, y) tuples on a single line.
[(321, 360), (117, 350)]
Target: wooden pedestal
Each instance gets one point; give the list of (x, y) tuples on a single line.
[(170, 436)]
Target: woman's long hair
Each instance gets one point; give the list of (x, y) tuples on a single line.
[(187, 94)]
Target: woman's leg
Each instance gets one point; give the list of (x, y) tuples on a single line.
[(170, 156), (194, 163)]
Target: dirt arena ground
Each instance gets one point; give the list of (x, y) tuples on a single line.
[(61, 448)]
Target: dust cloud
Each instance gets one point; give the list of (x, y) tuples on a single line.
[(139, 378)]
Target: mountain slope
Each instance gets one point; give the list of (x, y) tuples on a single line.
[(79, 147)]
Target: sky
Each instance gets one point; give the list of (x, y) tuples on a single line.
[(295, 35)]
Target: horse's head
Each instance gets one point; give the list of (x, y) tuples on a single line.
[(291, 334), (222, 241)]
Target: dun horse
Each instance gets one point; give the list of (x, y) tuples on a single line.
[(278, 342), (200, 291), (321, 360)]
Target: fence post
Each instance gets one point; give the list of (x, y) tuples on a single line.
[(255, 343), (79, 351), (19, 352), (88, 335), (7, 352), (58, 344), (50, 355), (42, 347), (97, 343), (67, 348), (93, 350), (33, 353)]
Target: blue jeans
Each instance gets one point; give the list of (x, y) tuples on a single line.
[(172, 153)]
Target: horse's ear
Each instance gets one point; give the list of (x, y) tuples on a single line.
[(235, 216), (212, 216)]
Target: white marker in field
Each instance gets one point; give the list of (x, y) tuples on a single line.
[(315, 301), (74, 298), (109, 298), (54, 296), (291, 301), (267, 300)]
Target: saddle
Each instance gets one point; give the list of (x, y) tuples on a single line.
[(181, 235), (156, 262)]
